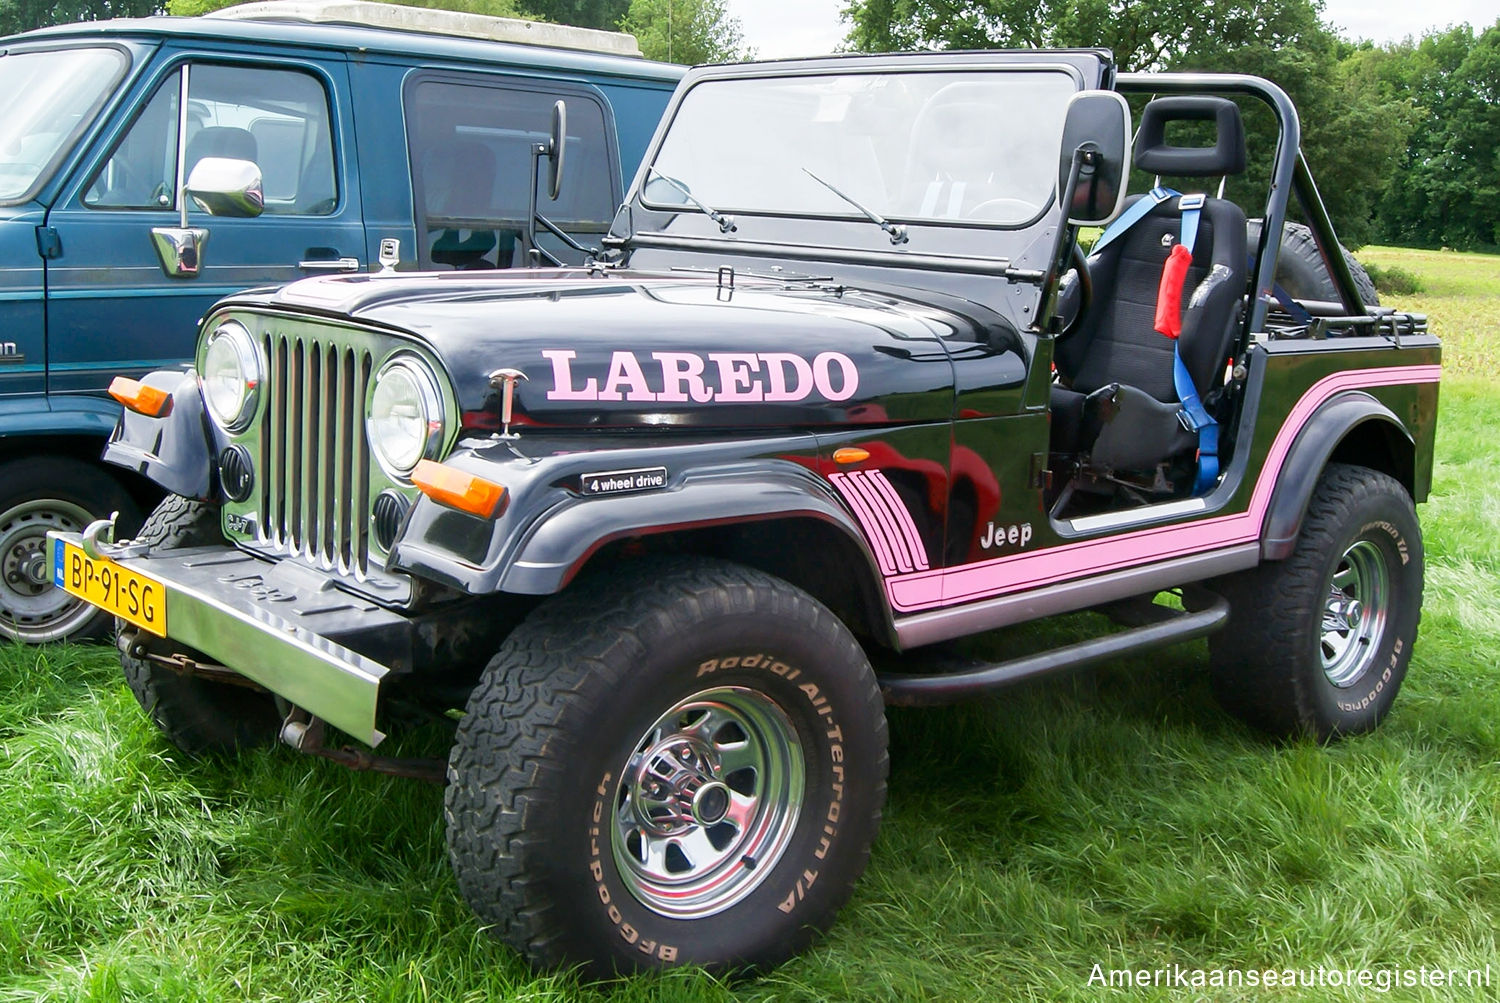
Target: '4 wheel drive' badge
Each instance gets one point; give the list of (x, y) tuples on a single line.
[(614, 482)]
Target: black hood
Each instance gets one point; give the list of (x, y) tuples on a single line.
[(619, 348)]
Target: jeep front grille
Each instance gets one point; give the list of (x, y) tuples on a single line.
[(315, 462)]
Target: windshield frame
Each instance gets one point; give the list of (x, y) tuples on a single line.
[(90, 117), (773, 71)]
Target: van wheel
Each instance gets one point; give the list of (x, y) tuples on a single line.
[(196, 715), (37, 495), (1318, 644), (685, 772)]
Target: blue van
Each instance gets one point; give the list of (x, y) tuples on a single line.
[(409, 136)]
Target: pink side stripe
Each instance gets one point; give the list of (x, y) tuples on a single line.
[(903, 519), (1014, 573), (887, 526), (867, 522)]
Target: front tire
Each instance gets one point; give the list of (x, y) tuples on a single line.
[(1318, 644), (197, 715), (685, 771)]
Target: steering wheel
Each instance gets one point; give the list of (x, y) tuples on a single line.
[(1003, 210), (1085, 290)]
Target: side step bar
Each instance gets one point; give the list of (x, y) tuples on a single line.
[(977, 678)]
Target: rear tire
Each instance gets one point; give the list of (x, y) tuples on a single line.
[(38, 494), (197, 715), (1318, 644), (685, 772)]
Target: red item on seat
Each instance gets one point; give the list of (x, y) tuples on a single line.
[(1169, 296)]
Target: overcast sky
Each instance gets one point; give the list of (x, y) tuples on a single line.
[(778, 28)]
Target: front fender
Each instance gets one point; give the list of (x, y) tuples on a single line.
[(175, 451), (549, 530), (1315, 445)]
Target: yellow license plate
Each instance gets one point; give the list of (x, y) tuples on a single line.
[(127, 594)]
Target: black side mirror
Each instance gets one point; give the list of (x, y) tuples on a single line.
[(556, 145), (1095, 145), (552, 151)]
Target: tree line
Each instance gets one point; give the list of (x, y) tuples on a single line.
[(1404, 138)]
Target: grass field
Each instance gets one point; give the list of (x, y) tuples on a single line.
[(1117, 817)]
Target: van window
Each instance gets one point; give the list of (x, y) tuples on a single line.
[(471, 163), (276, 118), (47, 99)]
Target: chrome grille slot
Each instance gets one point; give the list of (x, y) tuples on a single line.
[(315, 480)]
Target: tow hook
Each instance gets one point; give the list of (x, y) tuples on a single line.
[(96, 548), (306, 733)]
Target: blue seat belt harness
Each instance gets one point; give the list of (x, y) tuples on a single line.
[(1130, 217), (1194, 416)]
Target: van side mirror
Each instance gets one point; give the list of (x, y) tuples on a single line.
[(1095, 159), (223, 186)]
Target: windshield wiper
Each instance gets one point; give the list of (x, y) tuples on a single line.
[(896, 230), (726, 223)]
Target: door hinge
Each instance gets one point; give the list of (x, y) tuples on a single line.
[(48, 242), (1041, 477)]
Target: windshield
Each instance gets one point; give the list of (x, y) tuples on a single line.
[(975, 147), (46, 98)]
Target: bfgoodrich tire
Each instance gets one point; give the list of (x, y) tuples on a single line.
[(682, 765), (1318, 644), (197, 715)]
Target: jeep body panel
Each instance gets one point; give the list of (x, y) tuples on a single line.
[(883, 405)]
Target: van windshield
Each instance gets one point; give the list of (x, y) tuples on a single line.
[(47, 98)]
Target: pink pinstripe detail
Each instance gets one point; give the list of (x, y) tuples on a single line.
[(872, 529), (903, 519), (887, 526), (1016, 572)]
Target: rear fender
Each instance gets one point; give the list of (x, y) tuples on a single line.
[(174, 451), (1330, 427)]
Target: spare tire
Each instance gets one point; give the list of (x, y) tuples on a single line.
[(1300, 270)]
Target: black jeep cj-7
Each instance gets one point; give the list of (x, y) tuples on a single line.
[(839, 386)]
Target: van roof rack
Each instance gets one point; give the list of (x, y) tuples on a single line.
[(432, 21)]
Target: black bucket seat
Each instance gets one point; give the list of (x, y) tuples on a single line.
[(1115, 405)]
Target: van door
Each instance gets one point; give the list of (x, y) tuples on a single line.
[(112, 307)]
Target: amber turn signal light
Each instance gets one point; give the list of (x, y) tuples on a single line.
[(850, 454), (458, 489), (139, 397)]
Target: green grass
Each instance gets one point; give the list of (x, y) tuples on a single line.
[(1115, 817)]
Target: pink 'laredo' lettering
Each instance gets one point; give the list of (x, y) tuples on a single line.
[(717, 377)]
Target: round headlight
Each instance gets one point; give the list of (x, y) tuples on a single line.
[(230, 375), (405, 420)]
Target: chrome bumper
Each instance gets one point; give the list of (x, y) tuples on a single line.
[(272, 623)]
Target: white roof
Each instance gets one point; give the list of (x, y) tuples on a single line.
[(435, 22)]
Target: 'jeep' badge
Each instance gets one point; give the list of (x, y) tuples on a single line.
[(614, 482)]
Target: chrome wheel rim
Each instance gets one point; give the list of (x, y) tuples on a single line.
[(31, 609), (1355, 613), (708, 802)]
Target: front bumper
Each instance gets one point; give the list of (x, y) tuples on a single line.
[(283, 625)]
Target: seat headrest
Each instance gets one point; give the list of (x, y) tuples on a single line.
[(222, 141), (1225, 156)]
